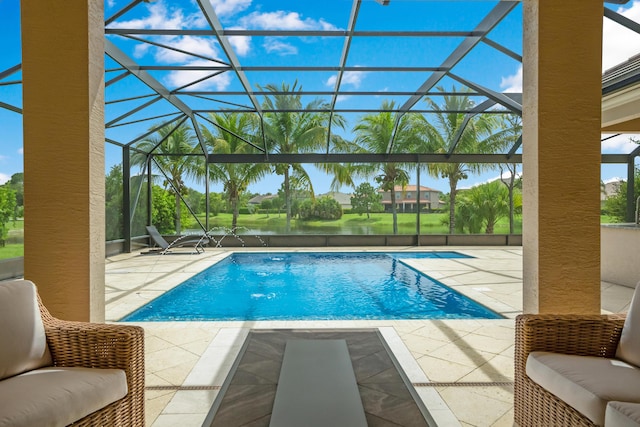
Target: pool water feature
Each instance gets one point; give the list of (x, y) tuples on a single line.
[(313, 286)]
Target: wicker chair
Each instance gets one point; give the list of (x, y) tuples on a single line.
[(98, 345), (586, 335)]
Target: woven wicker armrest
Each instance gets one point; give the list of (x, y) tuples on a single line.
[(104, 346), (585, 335), (95, 345)]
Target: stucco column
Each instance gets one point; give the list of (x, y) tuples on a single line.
[(63, 119), (561, 155)]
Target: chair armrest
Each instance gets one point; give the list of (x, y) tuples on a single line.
[(99, 345), (577, 334), (105, 346), (94, 345)]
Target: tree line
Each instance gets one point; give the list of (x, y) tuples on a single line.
[(297, 128), (11, 203)]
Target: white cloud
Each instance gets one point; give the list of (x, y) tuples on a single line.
[(181, 78), (20, 150), (162, 17), (512, 83), (226, 8), (241, 44), (620, 143), (353, 78), (276, 45), (200, 46), (4, 178), (141, 50), (281, 20), (618, 42)]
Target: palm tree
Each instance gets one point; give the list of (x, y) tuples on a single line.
[(489, 202), (227, 138), (443, 137), (172, 150), (510, 131), (293, 130), (373, 134)]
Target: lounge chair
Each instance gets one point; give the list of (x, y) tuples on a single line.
[(578, 369), (55, 372), (164, 247)]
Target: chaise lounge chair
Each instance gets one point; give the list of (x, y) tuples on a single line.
[(195, 242)]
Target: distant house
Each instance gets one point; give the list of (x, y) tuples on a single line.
[(611, 188), (257, 200), (342, 198), (407, 199)]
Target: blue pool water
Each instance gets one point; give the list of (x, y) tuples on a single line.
[(313, 286)]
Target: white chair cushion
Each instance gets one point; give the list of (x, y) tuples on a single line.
[(629, 344), (622, 414), (23, 344), (585, 383), (51, 397)]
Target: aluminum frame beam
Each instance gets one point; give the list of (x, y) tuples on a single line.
[(285, 68), (175, 49), (500, 98), (355, 8), (287, 33), (388, 158), (129, 64), (9, 71), (132, 111), (364, 158), (154, 129), (329, 93), (467, 118), (345, 110), (10, 107), (492, 19), (622, 20), (216, 26), (121, 12)]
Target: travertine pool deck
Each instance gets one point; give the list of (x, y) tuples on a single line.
[(461, 369)]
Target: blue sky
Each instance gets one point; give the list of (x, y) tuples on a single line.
[(484, 66)]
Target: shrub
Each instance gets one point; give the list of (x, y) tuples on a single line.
[(322, 208)]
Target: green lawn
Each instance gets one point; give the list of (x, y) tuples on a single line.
[(379, 223), (14, 247), (12, 251)]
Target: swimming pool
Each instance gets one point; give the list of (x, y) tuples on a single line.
[(313, 286)]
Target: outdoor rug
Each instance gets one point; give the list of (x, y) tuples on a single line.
[(247, 396)]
